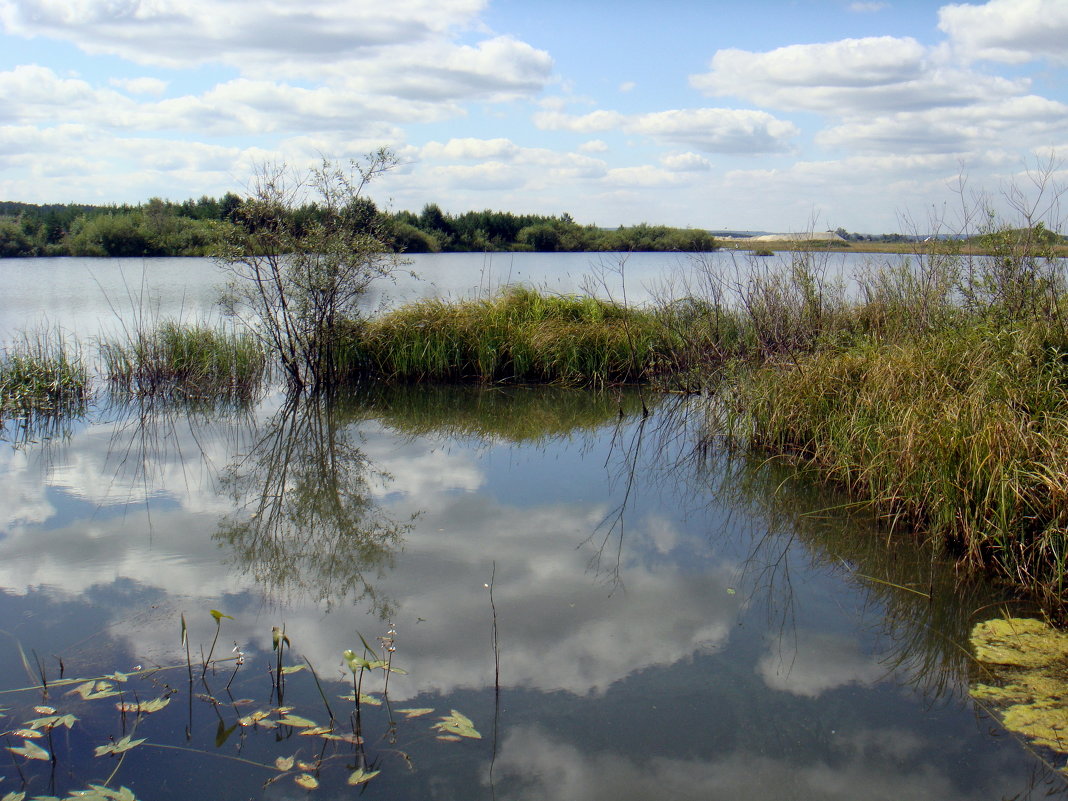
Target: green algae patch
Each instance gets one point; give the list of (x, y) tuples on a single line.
[(1025, 669)]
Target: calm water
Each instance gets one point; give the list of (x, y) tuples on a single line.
[(90, 296), (618, 614)]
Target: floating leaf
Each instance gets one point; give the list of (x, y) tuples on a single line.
[(415, 713), (307, 781), (44, 710), (364, 699), (28, 734), (123, 745), (13, 797), (30, 750), (296, 720), (450, 738), (284, 763), (345, 738), (93, 689), (292, 669), (307, 765), (254, 718), (315, 732), (52, 721), (146, 707), (459, 725), (117, 676), (215, 613), (361, 776)]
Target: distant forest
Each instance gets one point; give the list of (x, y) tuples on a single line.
[(199, 227)]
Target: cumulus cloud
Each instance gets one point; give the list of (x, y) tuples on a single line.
[(812, 663), (850, 76), (713, 130), (1012, 31), (175, 33), (140, 86), (409, 53), (686, 162), (540, 764), (954, 130)]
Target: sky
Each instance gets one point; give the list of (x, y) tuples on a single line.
[(770, 116)]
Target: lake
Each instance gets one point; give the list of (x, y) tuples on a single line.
[(581, 603), (88, 296)]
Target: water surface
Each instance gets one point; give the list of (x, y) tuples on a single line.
[(618, 614)]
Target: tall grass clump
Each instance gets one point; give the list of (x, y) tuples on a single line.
[(43, 372), (962, 436), (520, 335), (185, 360)]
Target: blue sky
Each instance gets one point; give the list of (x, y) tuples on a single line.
[(762, 115)]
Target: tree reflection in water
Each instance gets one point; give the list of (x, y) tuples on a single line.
[(306, 523)]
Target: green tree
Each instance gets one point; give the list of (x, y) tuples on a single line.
[(297, 285)]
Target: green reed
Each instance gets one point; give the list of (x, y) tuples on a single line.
[(42, 372), (520, 335), (185, 361)]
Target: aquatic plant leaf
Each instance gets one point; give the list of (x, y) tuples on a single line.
[(307, 781), (254, 718), (458, 724), (93, 689), (28, 734), (215, 613), (415, 713), (307, 765), (364, 699), (144, 707), (296, 720), (119, 747), (361, 776), (345, 738), (292, 669), (52, 721), (117, 676), (316, 731), (222, 734), (44, 710), (450, 738), (185, 631), (284, 763), (30, 750), (14, 797), (99, 791), (1022, 642)]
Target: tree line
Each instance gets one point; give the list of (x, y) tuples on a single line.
[(200, 227)]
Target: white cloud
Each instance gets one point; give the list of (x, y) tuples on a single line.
[(953, 130), (140, 86), (594, 146), (587, 123), (471, 149), (409, 53), (540, 764), (811, 663), (627, 86), (850, 76), (686, 162), (715, 130), (1012, 31), (242, 33)]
